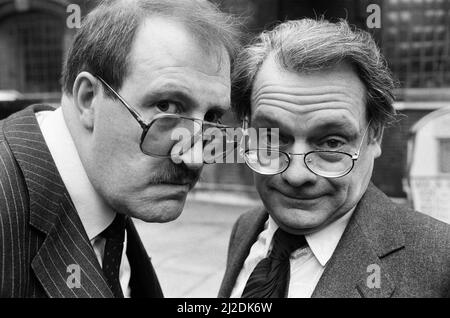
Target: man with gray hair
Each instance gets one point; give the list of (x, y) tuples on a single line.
[(325, 230), (71, 178)]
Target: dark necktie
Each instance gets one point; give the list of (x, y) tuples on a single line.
[(270, 277), (112, 256)]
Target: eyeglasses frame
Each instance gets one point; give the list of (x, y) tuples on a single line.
[(354, 157), (147, 125)]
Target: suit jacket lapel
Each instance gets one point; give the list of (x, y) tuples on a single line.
[(66, 251), (240, 252), (356, 268), (143, 281)]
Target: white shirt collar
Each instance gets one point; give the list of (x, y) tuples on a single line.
[(323, 242), (94, 213)]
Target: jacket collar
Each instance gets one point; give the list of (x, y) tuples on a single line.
[(356, 268), (66, 249), (373, 232), (322, 243), (247, 235), (143, 282)]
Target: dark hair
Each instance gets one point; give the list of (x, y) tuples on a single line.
[(309, 45), (103, 43)]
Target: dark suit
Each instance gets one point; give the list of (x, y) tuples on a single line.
[(411, 249), (41, 233)]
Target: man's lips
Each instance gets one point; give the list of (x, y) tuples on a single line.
[(173, 184), (189, 184), (177, 183), (298, 196), (173, 190)]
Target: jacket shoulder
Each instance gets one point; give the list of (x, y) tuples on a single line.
[(426, 258), (424, 232), (247, 225), (248, 219)]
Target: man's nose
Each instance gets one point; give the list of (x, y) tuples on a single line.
[(297, 174), (191, 154)]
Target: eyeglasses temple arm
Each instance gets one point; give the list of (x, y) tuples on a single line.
[(242, 146), (356, 155), (132, 111)]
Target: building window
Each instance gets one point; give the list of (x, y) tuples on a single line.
[(416, 42), (444, 155), (31, 52)]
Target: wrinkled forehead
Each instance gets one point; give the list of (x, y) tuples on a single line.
[(306, 99)]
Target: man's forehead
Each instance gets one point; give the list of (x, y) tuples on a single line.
[(162, 42), (340, 119), (342, 76), (336, 92), (166, 61)]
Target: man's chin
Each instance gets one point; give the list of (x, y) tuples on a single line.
[(161, 212), (295, 218), (298, 221)]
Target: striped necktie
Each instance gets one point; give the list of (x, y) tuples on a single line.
[(270, 277), (112, 256)]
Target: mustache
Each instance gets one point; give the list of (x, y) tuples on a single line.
[(170, 173)]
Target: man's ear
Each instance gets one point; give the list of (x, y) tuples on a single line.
[(85, 89), (376, 136)]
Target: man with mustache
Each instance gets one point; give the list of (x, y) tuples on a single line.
[(71, 178), (325, 230)]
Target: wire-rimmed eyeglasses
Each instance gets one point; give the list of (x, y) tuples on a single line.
[(324, 163), (160, 134)]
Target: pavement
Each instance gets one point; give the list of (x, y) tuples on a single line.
[(189, 254)]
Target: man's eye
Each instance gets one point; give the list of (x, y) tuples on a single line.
[(213, 118), (167, 107), (284, 141), (332, 143), (271, 138)]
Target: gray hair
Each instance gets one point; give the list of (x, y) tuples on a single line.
[(308, 45), (103, 43)]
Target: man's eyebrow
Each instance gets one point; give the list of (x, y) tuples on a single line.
[(263, 118), (340, 125), (219, 110), (170, 91), (179, 93)]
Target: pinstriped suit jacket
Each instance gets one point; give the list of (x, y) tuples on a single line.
[(41, 234)]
